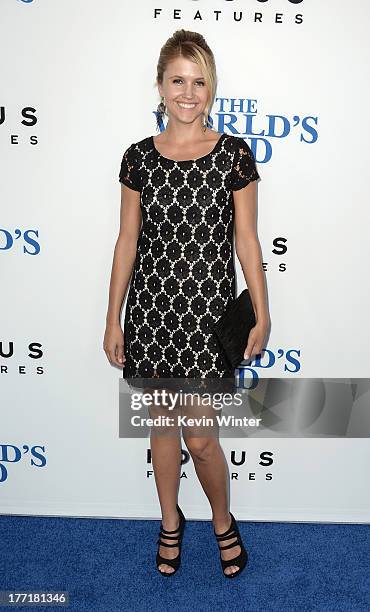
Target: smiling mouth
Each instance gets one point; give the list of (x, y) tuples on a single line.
[(186, 105)]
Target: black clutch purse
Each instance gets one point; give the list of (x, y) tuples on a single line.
[(232, 329)]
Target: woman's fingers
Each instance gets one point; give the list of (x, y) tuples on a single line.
[(120, 354), (255, 343), (113, 345), (249, 348), (116, 355)]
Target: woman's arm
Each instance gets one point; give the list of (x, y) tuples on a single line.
[(122, 266), (248, 250)]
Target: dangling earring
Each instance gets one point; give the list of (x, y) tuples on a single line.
[(205, 122), (161, 110), (161, 107)]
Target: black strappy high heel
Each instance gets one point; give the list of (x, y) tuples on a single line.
[(175, 563), (241, 560)]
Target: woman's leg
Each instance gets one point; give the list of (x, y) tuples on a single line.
[(212, 470), (166, 459)]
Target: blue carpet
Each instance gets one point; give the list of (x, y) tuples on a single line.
[(108, 566)]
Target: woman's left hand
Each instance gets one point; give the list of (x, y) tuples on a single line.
[(256, 339)]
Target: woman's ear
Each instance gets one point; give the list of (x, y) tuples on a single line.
[(159, 88)]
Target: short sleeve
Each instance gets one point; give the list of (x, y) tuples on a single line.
[(244, 169), (129, 173)]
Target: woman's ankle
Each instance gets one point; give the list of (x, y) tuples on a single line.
[(171, 520), (221, 522)]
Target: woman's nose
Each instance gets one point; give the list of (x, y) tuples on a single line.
[(188, 91)]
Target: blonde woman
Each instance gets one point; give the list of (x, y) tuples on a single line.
[(182, 192)]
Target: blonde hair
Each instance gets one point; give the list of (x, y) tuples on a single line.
[(192, 46)]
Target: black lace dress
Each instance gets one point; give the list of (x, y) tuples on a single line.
[(184, 273)]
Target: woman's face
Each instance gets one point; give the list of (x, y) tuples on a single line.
[(183, 82)]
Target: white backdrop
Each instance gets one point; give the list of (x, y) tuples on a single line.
[(77, 87)]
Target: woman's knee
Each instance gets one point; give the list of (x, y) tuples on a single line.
[(201, 449)]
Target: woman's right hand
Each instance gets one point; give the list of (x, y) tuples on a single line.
[(113, 344)]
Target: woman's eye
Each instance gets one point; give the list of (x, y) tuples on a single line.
[(180, 80)]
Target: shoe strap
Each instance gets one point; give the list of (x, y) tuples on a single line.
[(173, 531), (168, 537), (165, 530), (159, 541), (231, 534), (174, 563), (239, 561), (230, 545), (233, 527), (226, 535)]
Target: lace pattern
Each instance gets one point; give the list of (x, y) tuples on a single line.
[(129, 174), (244, 167), (184, 274)]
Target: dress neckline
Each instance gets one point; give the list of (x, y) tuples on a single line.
[(180, 161)]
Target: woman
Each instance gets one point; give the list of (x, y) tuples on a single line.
[(187, 185)]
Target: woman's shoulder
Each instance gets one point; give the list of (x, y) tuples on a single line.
[(138, 146), (143, 144), (237, 142)]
